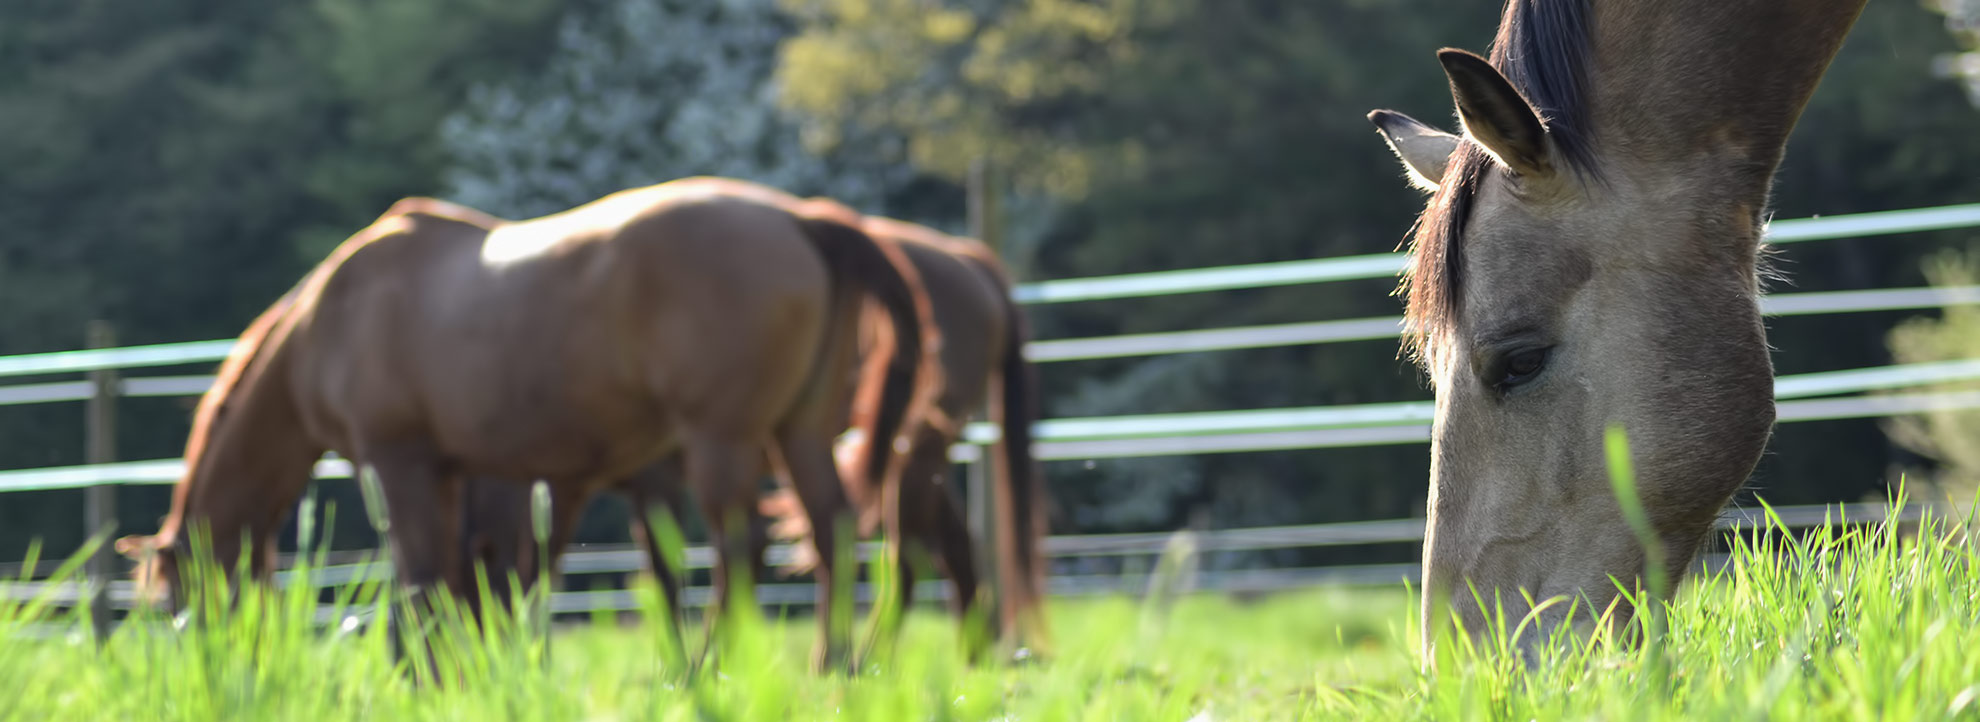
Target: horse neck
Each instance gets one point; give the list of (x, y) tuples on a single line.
[(1725, 79), (249, 467)]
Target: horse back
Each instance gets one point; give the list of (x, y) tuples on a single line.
[(678, 289), (434, 208)]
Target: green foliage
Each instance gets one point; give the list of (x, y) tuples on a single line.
[(1871, 622), (1883, 131), (154, 152), (127, 133), (1858, 624), (1963, 19), (645, 92), (1190, 133), (1187, 133), (393, 71), (1950, 437), (173, 167)]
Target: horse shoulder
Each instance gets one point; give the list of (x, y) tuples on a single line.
[(406, 242), (367, 301), (436, 209), (393, 254)]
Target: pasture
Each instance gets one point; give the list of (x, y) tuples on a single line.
[(1864, 622), (1589, 294)]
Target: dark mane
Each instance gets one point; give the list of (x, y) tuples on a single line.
[(235, 370), (233, 373), (1542, 47), (245, 362)]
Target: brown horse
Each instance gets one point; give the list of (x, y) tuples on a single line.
[(1589, 258), (982, 360), (691, 316), (983, 334)]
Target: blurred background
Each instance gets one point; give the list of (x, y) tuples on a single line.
[(172, 167)]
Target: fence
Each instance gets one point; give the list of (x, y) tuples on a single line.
[(1120, 436)]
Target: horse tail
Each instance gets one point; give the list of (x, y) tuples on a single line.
[(911, 377), (1018, 496)]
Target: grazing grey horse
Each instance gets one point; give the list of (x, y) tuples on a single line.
[(1588, 257)]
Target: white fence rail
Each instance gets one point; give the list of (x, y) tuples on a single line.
[(1180, 434), (1257, 275), (1154, 434), (1385, 265)]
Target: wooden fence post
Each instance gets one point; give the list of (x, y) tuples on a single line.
[(100, 501), (985, 225)]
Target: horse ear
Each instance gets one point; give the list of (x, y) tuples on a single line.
[(1496, 115), (1424, 150)]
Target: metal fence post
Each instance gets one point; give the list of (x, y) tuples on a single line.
[(985, 225), (100, 501)]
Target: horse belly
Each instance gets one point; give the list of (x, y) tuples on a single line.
[(561, 447), (569, 422), (730, 327), (739, 374)]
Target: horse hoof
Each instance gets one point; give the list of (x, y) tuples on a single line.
[(1026, 657), (834, 662)]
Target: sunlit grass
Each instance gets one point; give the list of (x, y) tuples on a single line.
[(1865, 623)]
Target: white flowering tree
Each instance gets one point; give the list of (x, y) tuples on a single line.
[(644, 91), (1963, 19)]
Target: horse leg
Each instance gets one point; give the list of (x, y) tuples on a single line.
[(904, 552), (722, 470), (930, 521), (423, 504), (759, 532), (903, 534), (494, 529), (933, 519), (538, 576), (654, 490), (947, 528), (808, 465)]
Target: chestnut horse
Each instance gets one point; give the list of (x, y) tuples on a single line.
[(1589, 258), (982, 360), (983, 336), (689, 317)]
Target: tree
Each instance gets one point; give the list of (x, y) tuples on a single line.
[(1963, 20), (1947, 437), (173, 167), (1882, 132), (1188, 133), (1185, 134), (1944, 438), (644, 92)]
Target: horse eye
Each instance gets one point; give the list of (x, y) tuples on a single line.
[(1521, 366)]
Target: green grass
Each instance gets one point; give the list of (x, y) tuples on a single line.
[(1858, 625)]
